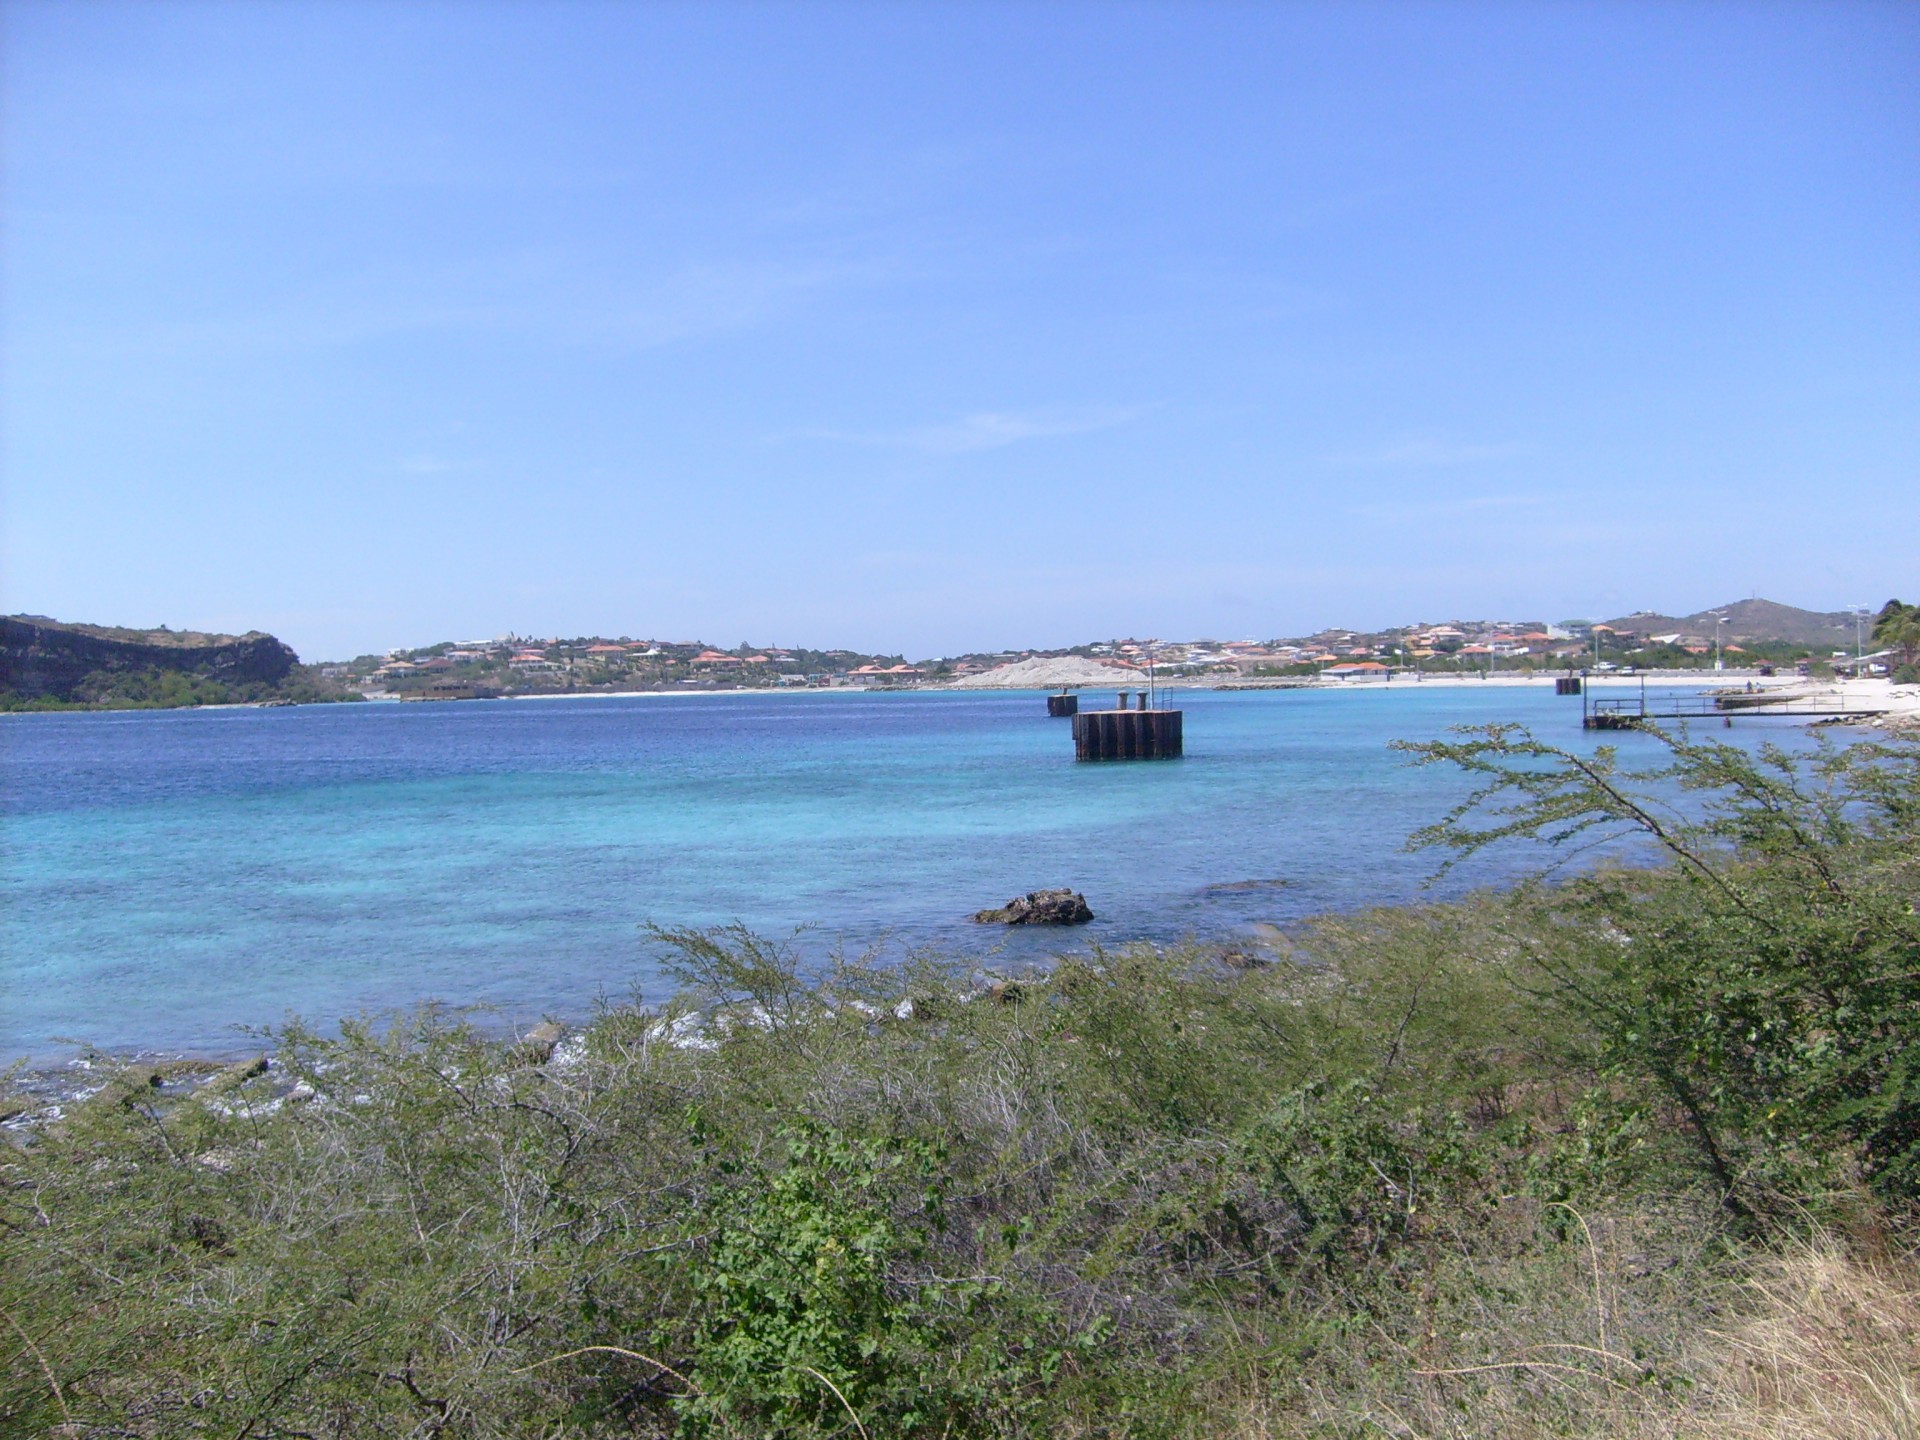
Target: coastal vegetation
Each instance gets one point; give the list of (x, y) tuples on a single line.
[(1631, 1149), (157, 688)]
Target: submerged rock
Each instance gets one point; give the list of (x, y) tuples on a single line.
[(1241, 887), (230, 1076), (133, 1085), (1238, 959), (1039, 907)]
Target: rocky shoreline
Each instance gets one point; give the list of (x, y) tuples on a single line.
[(256, 1081)]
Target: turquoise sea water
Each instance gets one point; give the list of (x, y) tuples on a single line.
[(167, 876)]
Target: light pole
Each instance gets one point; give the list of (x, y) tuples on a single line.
[(1859, 616), (1718, 621)]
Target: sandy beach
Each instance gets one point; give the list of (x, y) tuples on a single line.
[(1901, 703), (1076, 673)]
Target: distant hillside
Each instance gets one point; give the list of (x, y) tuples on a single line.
[(49, 664), (1750, 620)]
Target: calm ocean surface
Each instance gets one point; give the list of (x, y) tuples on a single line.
[(169, 875)]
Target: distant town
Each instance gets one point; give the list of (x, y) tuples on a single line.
[(54, 664), (1754, 635)]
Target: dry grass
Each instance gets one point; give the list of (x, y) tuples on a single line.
[(1512, 1340), (1832, 1351), (1822, 1343)]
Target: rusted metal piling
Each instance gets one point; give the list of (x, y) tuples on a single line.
[(1063, 706), (1124, 734)]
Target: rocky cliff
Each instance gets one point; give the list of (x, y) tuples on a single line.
[(45, 658)]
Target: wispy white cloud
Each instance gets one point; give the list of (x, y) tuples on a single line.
[(986, 430), (1428, 452), (425, 464), (543, 296), (711, 298), (1441, 507)]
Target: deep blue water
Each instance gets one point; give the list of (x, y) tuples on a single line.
[(169, 875)]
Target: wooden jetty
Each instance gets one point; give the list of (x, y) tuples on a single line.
[(1627, 714), (1124, 734)]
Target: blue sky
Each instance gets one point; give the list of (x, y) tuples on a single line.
[(927, 328)]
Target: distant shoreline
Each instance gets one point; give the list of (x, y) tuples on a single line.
[(1905, 699)]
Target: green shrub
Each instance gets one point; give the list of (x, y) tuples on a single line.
[(1765, 980), (797, 1327)]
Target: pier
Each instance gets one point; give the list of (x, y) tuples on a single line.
[(1127, 734), (1626, 714)]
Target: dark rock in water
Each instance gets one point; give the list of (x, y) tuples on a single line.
[(1039, 907), (538, 1044)]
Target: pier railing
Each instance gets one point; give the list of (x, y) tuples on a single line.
[(1623, 713)]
